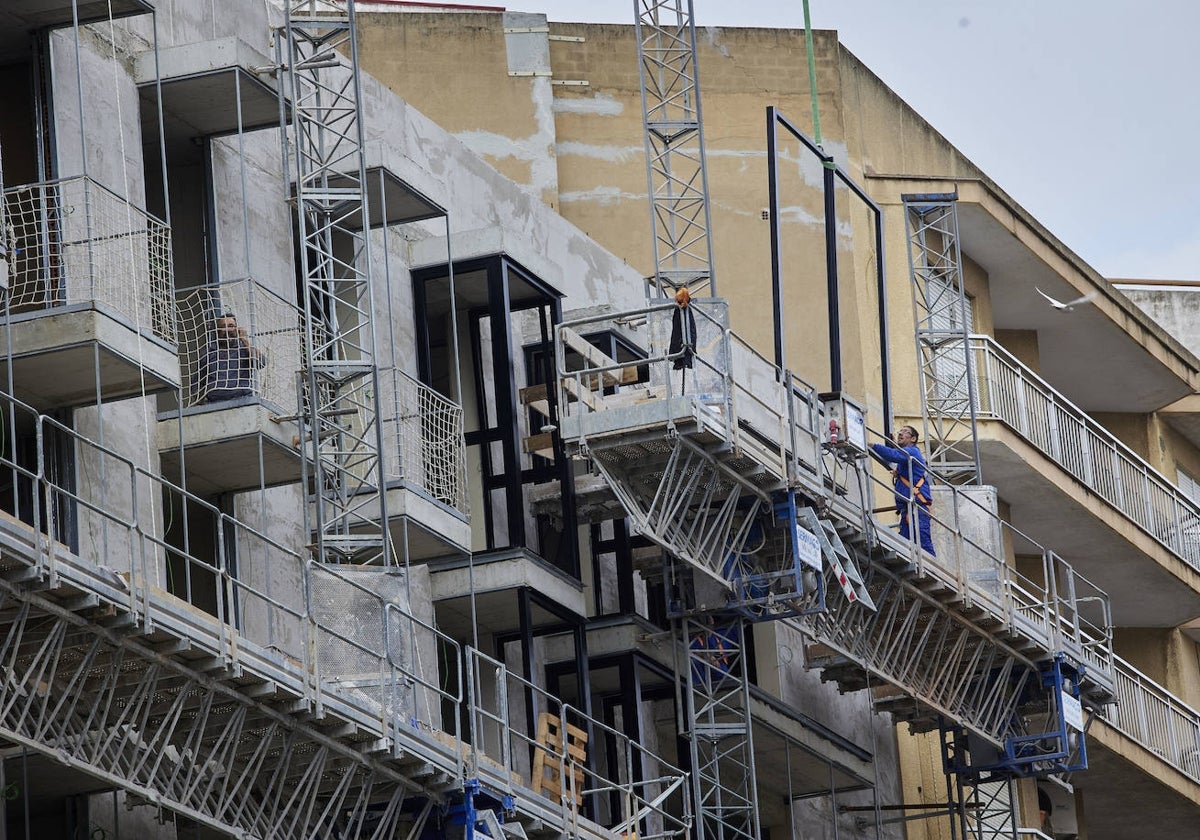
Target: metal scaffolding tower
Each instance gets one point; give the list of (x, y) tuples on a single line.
[(676, 174), (713, 696), (343, 437), (943, 330)]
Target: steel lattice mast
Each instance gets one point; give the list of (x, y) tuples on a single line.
[(676, 174), (943, 336), (713, 701), (343, 442)]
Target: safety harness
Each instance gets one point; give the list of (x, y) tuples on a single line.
[(915, 491)]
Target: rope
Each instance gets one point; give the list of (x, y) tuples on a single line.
[(812, 76), (148, 415)]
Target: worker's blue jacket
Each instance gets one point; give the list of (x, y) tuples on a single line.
[(908, 473)]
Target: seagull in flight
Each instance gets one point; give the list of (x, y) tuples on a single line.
[(1069, 305)]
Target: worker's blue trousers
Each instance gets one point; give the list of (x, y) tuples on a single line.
[(922, 526)]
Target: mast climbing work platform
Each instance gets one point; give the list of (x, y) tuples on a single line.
[(305, 699), (698, 456)]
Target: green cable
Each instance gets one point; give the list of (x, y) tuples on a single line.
[(812, 76)]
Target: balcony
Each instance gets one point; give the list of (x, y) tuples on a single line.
[(249, 637), (20, 17), (425, 470), (1145, 748), (1102, 470), (89, 301), (227, 434)]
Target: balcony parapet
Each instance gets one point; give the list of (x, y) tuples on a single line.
[(1155, 718), (1026, 403), (424, 447), (271, 327), (74, 241)]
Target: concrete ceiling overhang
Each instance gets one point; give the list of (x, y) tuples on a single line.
[(1106, 355), (1086, 353), (1152, 593), (18, 18), (1129, 792), (208, 89), (1184, 417), (390, 200)]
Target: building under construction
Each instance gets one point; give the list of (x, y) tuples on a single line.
[(502, 468)]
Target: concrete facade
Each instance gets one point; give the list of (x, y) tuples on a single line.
[(536, 196), (582, 154)]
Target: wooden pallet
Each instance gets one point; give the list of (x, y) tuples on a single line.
[(547, 766)]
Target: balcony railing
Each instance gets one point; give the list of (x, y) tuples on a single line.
[(523, 735), (423, 439), (217, 365), (74, 241), (1022, 400), (350, 645), (1152, 716)]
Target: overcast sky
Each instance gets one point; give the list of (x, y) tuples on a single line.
[(1087, 112)]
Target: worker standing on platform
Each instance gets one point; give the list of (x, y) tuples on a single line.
[(910, 484)]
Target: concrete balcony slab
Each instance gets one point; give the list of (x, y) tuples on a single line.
[(20, 17), (75, 355), (1158, 588), (228, 447), (208, 89), (495, 578), (430, 528)]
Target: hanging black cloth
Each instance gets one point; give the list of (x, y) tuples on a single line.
[(683, 337)]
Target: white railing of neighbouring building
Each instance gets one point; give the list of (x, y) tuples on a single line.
[(1022, 400)]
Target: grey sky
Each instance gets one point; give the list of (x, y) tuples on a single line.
[(1085, 111)]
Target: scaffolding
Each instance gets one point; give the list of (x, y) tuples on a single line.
[(943, 329), (343, 436)]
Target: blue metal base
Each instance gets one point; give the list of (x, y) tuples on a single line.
[(1060, 746), (477, 799)]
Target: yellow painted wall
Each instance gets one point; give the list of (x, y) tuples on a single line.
[(599, 166), (1023, 344)]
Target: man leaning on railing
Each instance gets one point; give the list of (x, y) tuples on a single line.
[(227, 363), (909, 482)]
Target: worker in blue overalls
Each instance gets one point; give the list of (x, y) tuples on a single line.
[(909, 482)]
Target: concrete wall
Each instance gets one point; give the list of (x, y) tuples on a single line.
[(594, 145), (1173, 308)]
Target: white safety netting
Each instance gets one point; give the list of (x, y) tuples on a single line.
[(423, 438), (238, 339), (74, 241)]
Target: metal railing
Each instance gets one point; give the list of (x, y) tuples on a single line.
[(523, 735), (750, 410), (216, 365), (183, 564), (1023, 401), (423, 439), (74, 241), (1156, 719), (1052, 603)]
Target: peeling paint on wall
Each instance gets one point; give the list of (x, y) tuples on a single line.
[(529, 52), (601, 103), (615, 154), (601, 195)]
